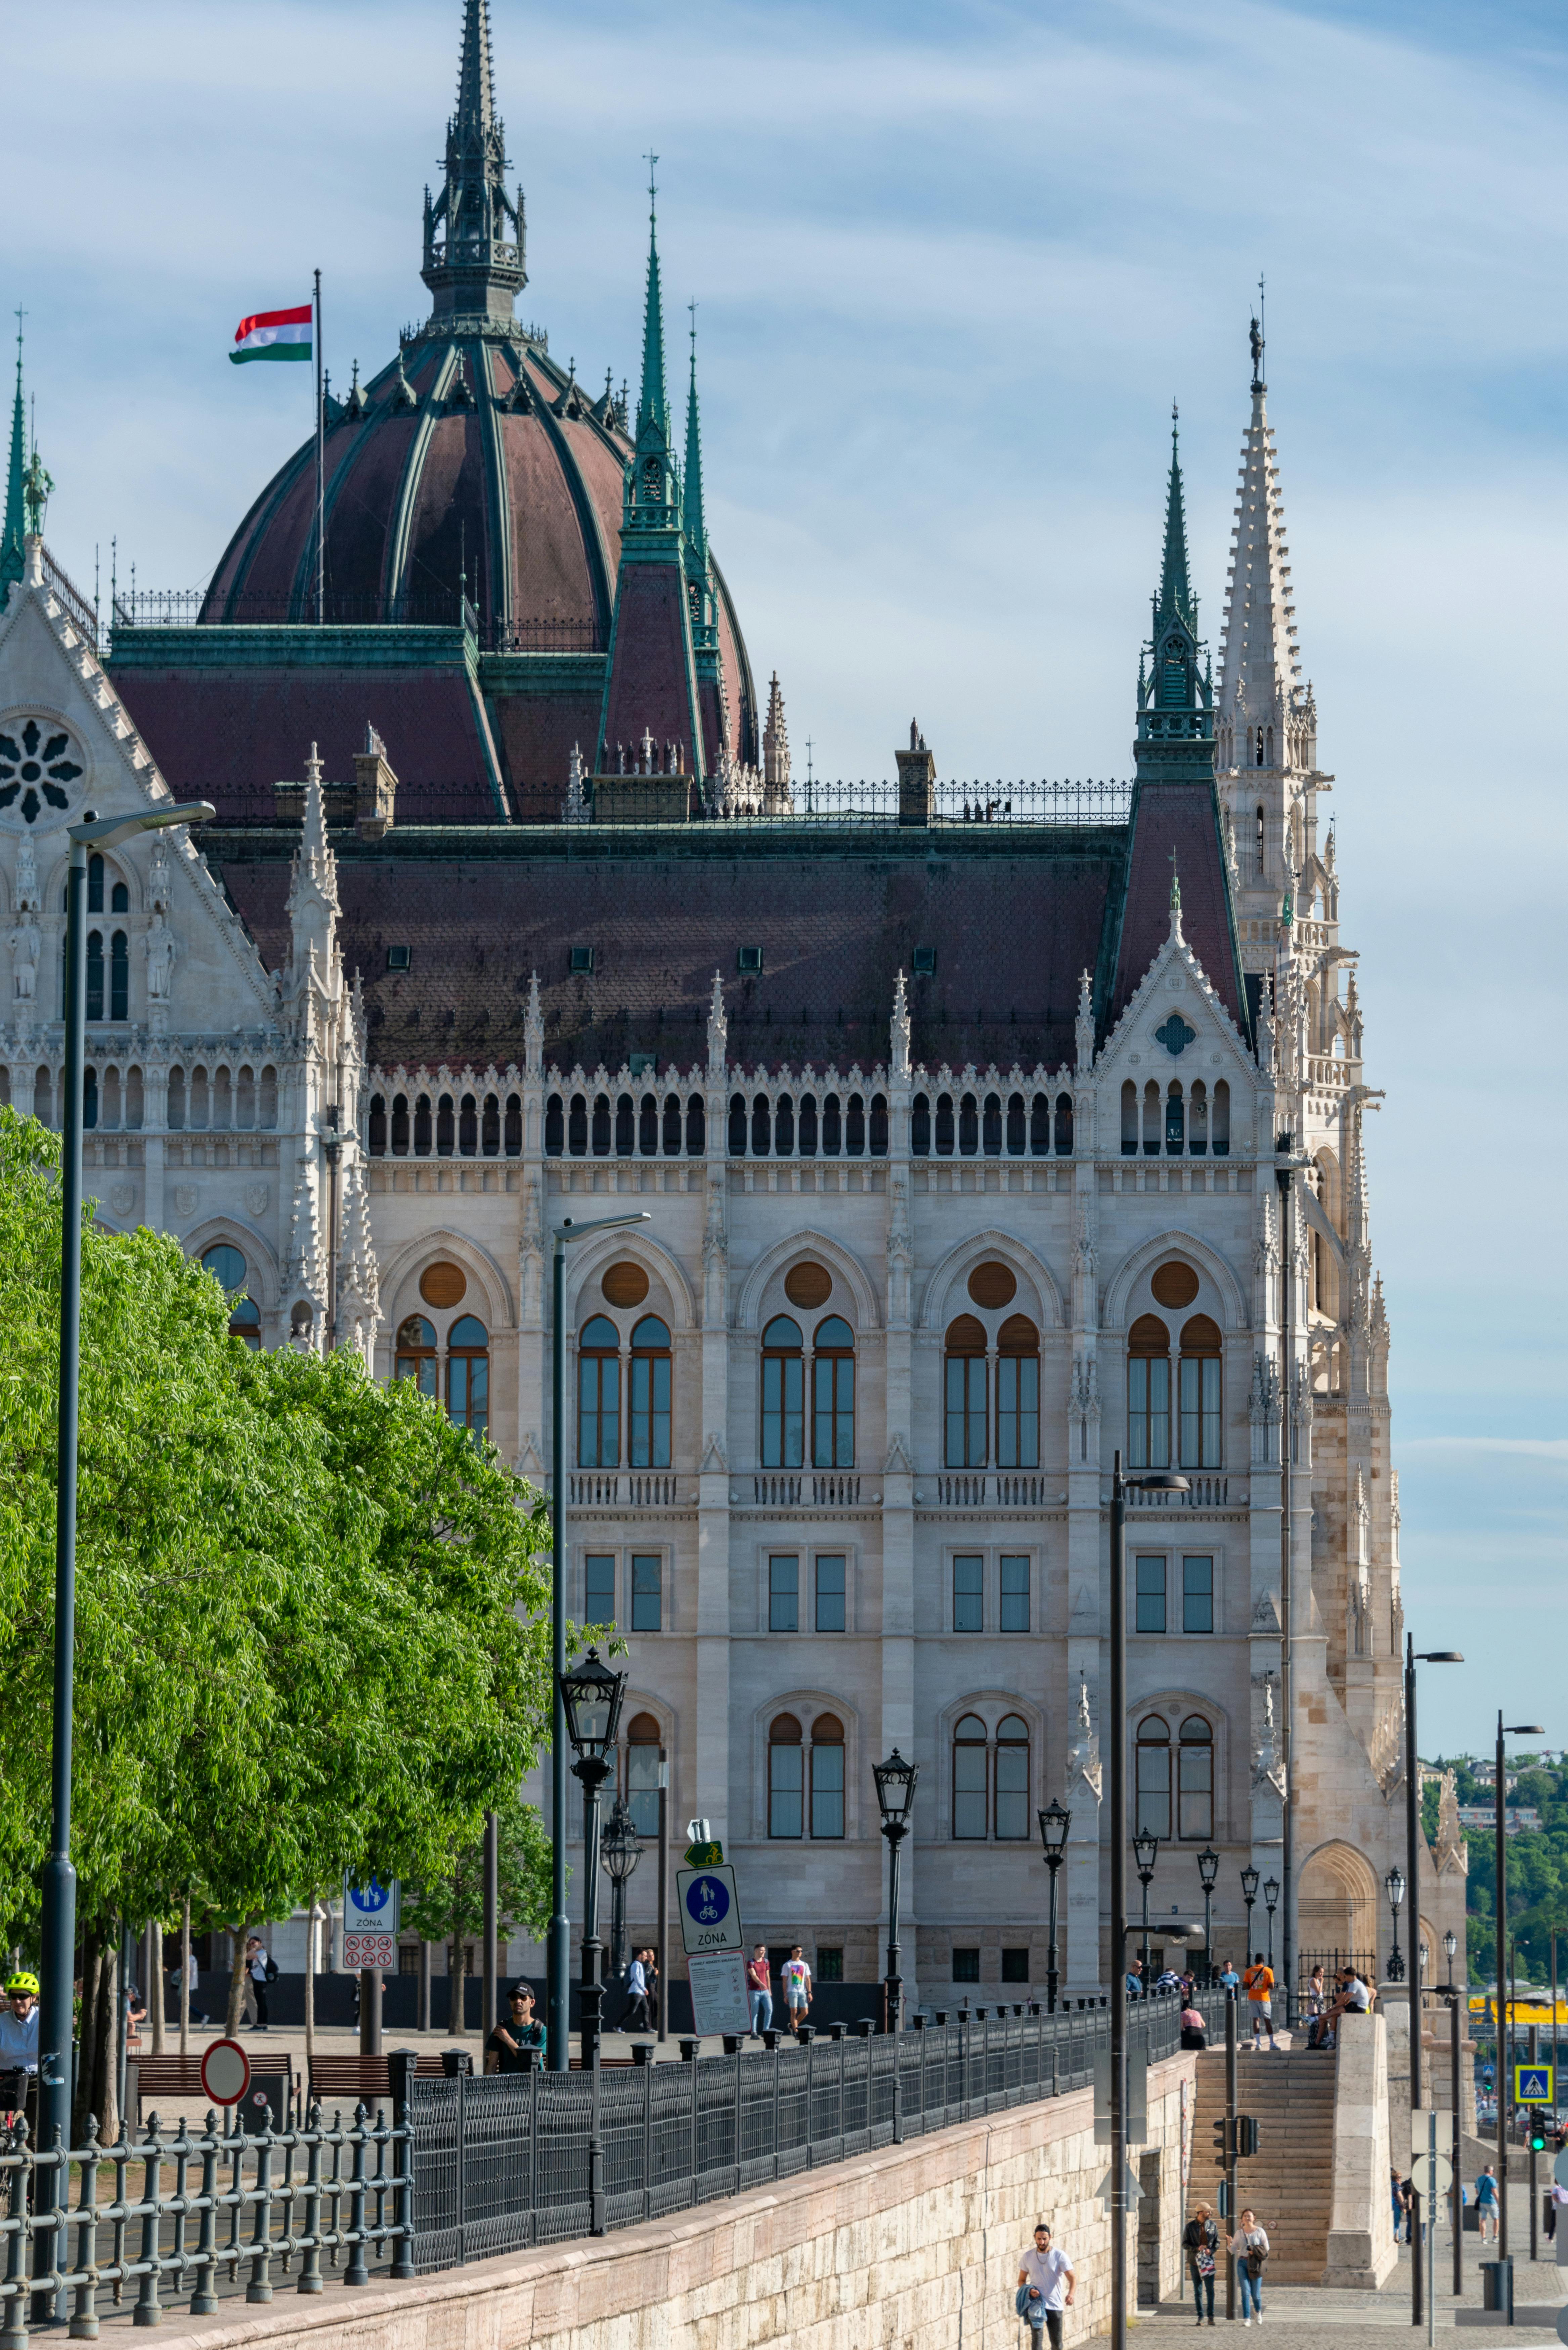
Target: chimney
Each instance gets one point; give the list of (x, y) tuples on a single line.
[(917, 779), (375, 787)]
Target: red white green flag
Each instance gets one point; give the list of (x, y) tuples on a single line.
[(274, 335)]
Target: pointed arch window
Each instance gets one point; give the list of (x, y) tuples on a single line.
[(376, 1140), (577, 1127), (920, 1127), (964, 1374), (969, 1127), (1149, 1394), (696, 1128), (513, 1126), (737, 1125), (783, 1394), (1018, 1394), (228, 1266), (444, 1127), (468, 1374), (1175, 1120), (783, 1127), (1153, 1774), (554, 1128), (422, 1126), (808, 1126), (855, 1127), (672, 1126), (601, 1125), (831, 1126), (648, 1126), (759, 1127), (416, 1354), (599, 1395), (833, 1395), (95, 962), (120, 974), (1195, 1779), (1129, 1119), (1200, 1398), (650, 1386), (1064, 1126), (971, 1759), (944, 1126), (990, 1126), (1012, 1798), (1015, 1125), (787, 1777), (641, 1788), (828, 1777)]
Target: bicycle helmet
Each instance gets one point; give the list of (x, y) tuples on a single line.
[(22, 1982)]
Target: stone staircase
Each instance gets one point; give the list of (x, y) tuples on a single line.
[(1289, 2181)]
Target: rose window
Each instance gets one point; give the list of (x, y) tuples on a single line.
[(35, 761)]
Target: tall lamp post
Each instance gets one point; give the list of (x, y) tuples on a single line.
[(591, 1699), (620, 1848), (1146, 1852), (1155, 1481), (1394, 1886), (59, 1883), (1450, 1951), (895, 1796), (1056, 1821), (1271, 1903), (558, 1945), (1414, 1840), (1505, 2028), (1249, 1895), (1208, 1870)]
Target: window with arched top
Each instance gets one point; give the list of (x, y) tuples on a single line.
[(944, 1126), (1015, 1125), (598, 1394), (990, 1126), (1199, 1391), (228, 1266), (601, 1125), (760, 1108), (1149, 1394), (490, 1127), (415, 1355), (970, 1776), (672, 1126), (969, 1127), (422, 1126), (855, 1127), (1040, 1125), (577, 1127), (1129, 1119), (514, 1127), (1195, 1777), (787, 1777), (650, 1384), (833, 1395), (878, 1126), (920, 1127), (827, 1776), (445, 1127), (696, 1128), (1064, 1126), (1012, 1804), (1175, 1120), (831, 1126), (783, 1127), (95, 974), (1018, 1394), (119, 973), (625, 1125), (555, 1128), (964, 1380), (640, 1784), (737, 1125), (1153, 1779), (648, 1126), (783, 1394), (468, 1373), (376, 1134), (1220, 1121)]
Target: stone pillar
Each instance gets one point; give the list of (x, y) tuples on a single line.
[(1361, 2248)]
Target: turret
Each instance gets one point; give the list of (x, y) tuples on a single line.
[(474, 230)]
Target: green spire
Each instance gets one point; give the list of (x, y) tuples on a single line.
[(652, 408), (1174, 594), (11, 547), (691, 514), (1174, 688), (651, 501)]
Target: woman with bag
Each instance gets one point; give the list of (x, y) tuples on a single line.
[(1249, 2247), (1200, 2242)]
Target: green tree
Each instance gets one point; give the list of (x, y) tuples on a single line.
[(447, 1903)]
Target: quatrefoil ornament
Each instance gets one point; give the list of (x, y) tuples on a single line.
[(1175, 1035)]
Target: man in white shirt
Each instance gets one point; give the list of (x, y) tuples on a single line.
[(19, 2026), (1045, 2282)]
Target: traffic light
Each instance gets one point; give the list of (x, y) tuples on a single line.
[(1537, 2141), (1246, 2134), (1223, 2142)]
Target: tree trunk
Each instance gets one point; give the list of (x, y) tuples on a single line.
[(185, 1978), (457, 2005), (105, 2074), (153, 1993), (238, 1976), (312, 1949), (82, 2104)]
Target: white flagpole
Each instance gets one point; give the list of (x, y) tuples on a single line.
[(321, 471)]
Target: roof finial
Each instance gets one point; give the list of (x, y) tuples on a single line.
[(652, 408)]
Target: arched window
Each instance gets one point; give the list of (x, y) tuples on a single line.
[(1151, 1120), (969, 1127), (95, 885), (109, 1114), (90, 1098), (969, 1791), (1011, 1778), (787, 1777), (119, 975), (245, 1104), (120, 899), (601, 1125), (827, 1776), (1153, 1779), (43, 1096), (416, 1356), (878, 1126), (737, 1125), (468, 1374), (625, 1125), (783, 1127), (199, 1099), (513, 1126), (783, 1394), (422, 1126), (1149, 1394), (1018, 1394), (640, 1787), (1199, 1394), (1064, 1126), (1258, 835), (672, 1126), (490, 1130), (1219, 1138), (445, 1127), (554, 1125), (95, 969), (1129, 1120), (855, 1128), (944, 1126), (992, 1136), (964, 1382), (599, 1395), (833, 1395), (648, 1126), (176, 1101), (1015, 1125), (577, 1127), (696, 1128), (832, 1128), (1040, 1125), (227, 1266), (134, 1099), (650, 1364), (808, 1126), (920, 1127), (244, 1323), (1175, 1120), (222, 1101), (759, 1127), (1195, 1767)]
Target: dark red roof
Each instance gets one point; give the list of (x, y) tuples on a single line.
[(1182, 819)]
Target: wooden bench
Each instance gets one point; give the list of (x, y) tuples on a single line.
[(149, 2078), (362, 2077)]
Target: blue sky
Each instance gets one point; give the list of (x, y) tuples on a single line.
[(953, 265)]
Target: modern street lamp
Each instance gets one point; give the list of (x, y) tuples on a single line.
[(1504, 2032), (1056, 1821), (1208, 1870), (1249, 1895), (1154, 1480), (591, 1699), (58, 1883), (621, 1849), (1394, 1886), (1146, 1852), (1450, 1950), (558, 1947), (1414, 1840), (1271, 1903), (895, 1796)]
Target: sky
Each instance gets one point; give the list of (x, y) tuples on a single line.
[(952, 265)]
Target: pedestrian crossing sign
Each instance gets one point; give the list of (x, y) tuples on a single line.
[(1532, 2084)]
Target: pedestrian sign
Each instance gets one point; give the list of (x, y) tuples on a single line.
[(709, 1910), (1532, 2084)]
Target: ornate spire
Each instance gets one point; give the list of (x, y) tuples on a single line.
[(717, 1030), (1174, 590), (1266, 716), (775, 740), (696, 527), (475, 232), (533, 1030), (1175, 694), (901, 1031), (652, 407), (11, 537)]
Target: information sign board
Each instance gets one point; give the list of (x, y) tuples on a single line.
[(710, 1912)]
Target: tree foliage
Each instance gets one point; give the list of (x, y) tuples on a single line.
[(1537, 1869), (311, 1636)]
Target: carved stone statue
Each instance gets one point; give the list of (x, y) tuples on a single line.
[(26, 946), (159, 959)]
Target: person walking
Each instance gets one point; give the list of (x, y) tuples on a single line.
[(637, 2017), (1200, 2242), (760, 1990), (1046, 2282), (796, 1978), (1395, 2198), (1554, 2202), (1258, 1983), (1249, 2247), (257, 1976), (1486, 2203)]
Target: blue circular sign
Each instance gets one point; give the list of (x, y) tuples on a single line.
[(373, 1896), (708, 1902)]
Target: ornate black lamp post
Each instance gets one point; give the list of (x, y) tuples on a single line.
[(591, 1699), (1054, 1823), (1249, 1895), (621, 1849), (1208, 1870), (1271, 1903), (895, 1796), (1146, 1852), (1394, 1886), (1450, 1951)]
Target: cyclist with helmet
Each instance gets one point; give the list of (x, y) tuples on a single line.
[(19, 2026)]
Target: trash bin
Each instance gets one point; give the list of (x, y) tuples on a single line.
[(1497, 2286)]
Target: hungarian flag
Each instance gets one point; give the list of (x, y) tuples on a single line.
[(273, 335)]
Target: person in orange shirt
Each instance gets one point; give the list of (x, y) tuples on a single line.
[(1258, 1983)]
